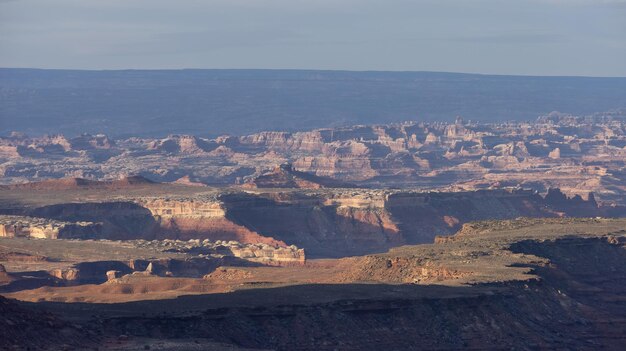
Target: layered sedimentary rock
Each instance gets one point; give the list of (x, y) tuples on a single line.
[(43, 228), (73, 183), (575, 154), (306, 221), (354, 222), (253, 252), (168, 258), (553, 283), (198, 261), (285, 176), (199, 219), (324, 222), (119, 219)]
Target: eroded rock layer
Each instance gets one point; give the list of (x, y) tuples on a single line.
[(575, 154), (325, 222), (43, 228), (511, 284)]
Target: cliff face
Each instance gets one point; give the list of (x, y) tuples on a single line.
[(97, 272), (534, 320), (191, 219), (268, 255), (183, 209), (120, 219), (156, 219), (42, 228), (355, 224), (520, 284), (325, 222), (326, 230), (574, 300), (423, 216)]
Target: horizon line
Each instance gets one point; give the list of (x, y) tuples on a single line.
[(305, 70)]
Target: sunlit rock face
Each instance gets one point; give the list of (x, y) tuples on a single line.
[(575, 154)]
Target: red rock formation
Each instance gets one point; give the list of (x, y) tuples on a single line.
[(433, 155), (211, 228), (182, 144), (23, 226), (285, 176), (327, 222), (186, 180)]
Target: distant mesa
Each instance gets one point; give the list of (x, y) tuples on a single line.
[(91, 142), (285, 176), (64, 183), (432, 156), (229, 103), (182, 144), (187, 180), (78, 183), (131, 180)]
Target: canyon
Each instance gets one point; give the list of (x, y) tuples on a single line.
[(577, 154), (404, 236), (182, 266), (522, 283), (325, 222)]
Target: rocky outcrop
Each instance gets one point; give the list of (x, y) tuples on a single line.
[(182, 144), (184, 208), (205, 219), (43, 228), (9, 151), (553, 282), (573, 153), (186, 180), (555, 154), (68, 275), (363, 222), (99, 272), (285, 176), (118, 220), (325, 222), (422, 216), (92, 142), (268, 255), (327, 230), (257, 252), (113, 274)]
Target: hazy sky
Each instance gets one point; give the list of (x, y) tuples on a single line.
[(538, 37)]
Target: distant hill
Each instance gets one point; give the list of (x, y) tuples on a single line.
[(77, 183), (285, 176), (214, 102)]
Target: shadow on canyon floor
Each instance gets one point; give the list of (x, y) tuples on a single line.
[(96, 272), (574, 305)]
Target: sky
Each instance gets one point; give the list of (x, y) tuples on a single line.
[(525, 37)]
